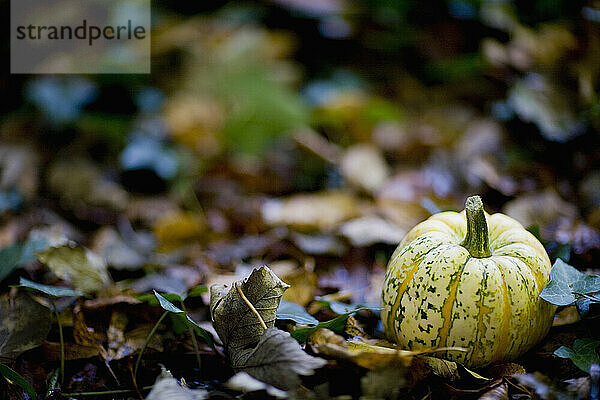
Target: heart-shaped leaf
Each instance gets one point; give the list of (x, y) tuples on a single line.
[(54, 291), (583, 353), (296, 313), (567, 284)]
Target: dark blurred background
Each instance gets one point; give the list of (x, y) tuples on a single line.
[(436, 99)]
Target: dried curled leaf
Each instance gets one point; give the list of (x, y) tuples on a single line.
[(167, 387), (361, 353), (240, 317), (277, 359), (322, 211), (24, 324), (85, 270), (243, 382), (235, 322), (499, 392)]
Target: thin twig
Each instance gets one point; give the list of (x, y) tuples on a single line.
[(62, 343), (120, 391), (152, 332), (238, 287), (194, 340)]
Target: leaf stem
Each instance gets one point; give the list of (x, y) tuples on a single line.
[(62, 342), (238, 287), (119, 391), (477, 237), (194, 341), (152, 332)]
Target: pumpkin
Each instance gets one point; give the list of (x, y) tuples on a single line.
[(468, 280)]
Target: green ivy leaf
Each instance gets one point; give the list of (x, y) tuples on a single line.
[(296, 313), (197, 291), (17, 255), (18, 380), (567, 284), (583, 353), (337, 325), (173, 297), (166, 304), (170, 307), (49, 290), (153, 300)]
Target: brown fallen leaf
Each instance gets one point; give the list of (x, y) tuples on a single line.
[(85, 270), (73, 351), (244, 382), (178, 228), (566, 316), (79, 182), (368, 230), (277, 359), (505, 370), (167, 387), (115, 333), (302, 281), (450, 370), (366, 355), (235, 322), (321, 211), (364, 166), (499, 392), (244, 318), (24, 324), (579, 386), (353, 328)]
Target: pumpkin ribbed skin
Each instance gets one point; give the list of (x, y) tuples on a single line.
[(436, 294)]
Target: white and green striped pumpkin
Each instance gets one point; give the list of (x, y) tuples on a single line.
[(452, 282)]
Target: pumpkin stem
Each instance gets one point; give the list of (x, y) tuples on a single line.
[(477, 238)]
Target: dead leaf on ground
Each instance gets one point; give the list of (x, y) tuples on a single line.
[(237, 325), (245, 383), (499, 392), (24, 324), (178, 228), (302, 281), (368, 356), (73, 351), (320, 244), (85, 270), (403, 214), (19, 168), (277, 359), (167, 387), (537, 99), (450, 370), (540, 209), (566, 316), (369, 230), (271, 356), (117, 252), (580, 386), (321, 211), (79, 183), (364, 166), (505, 370)]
